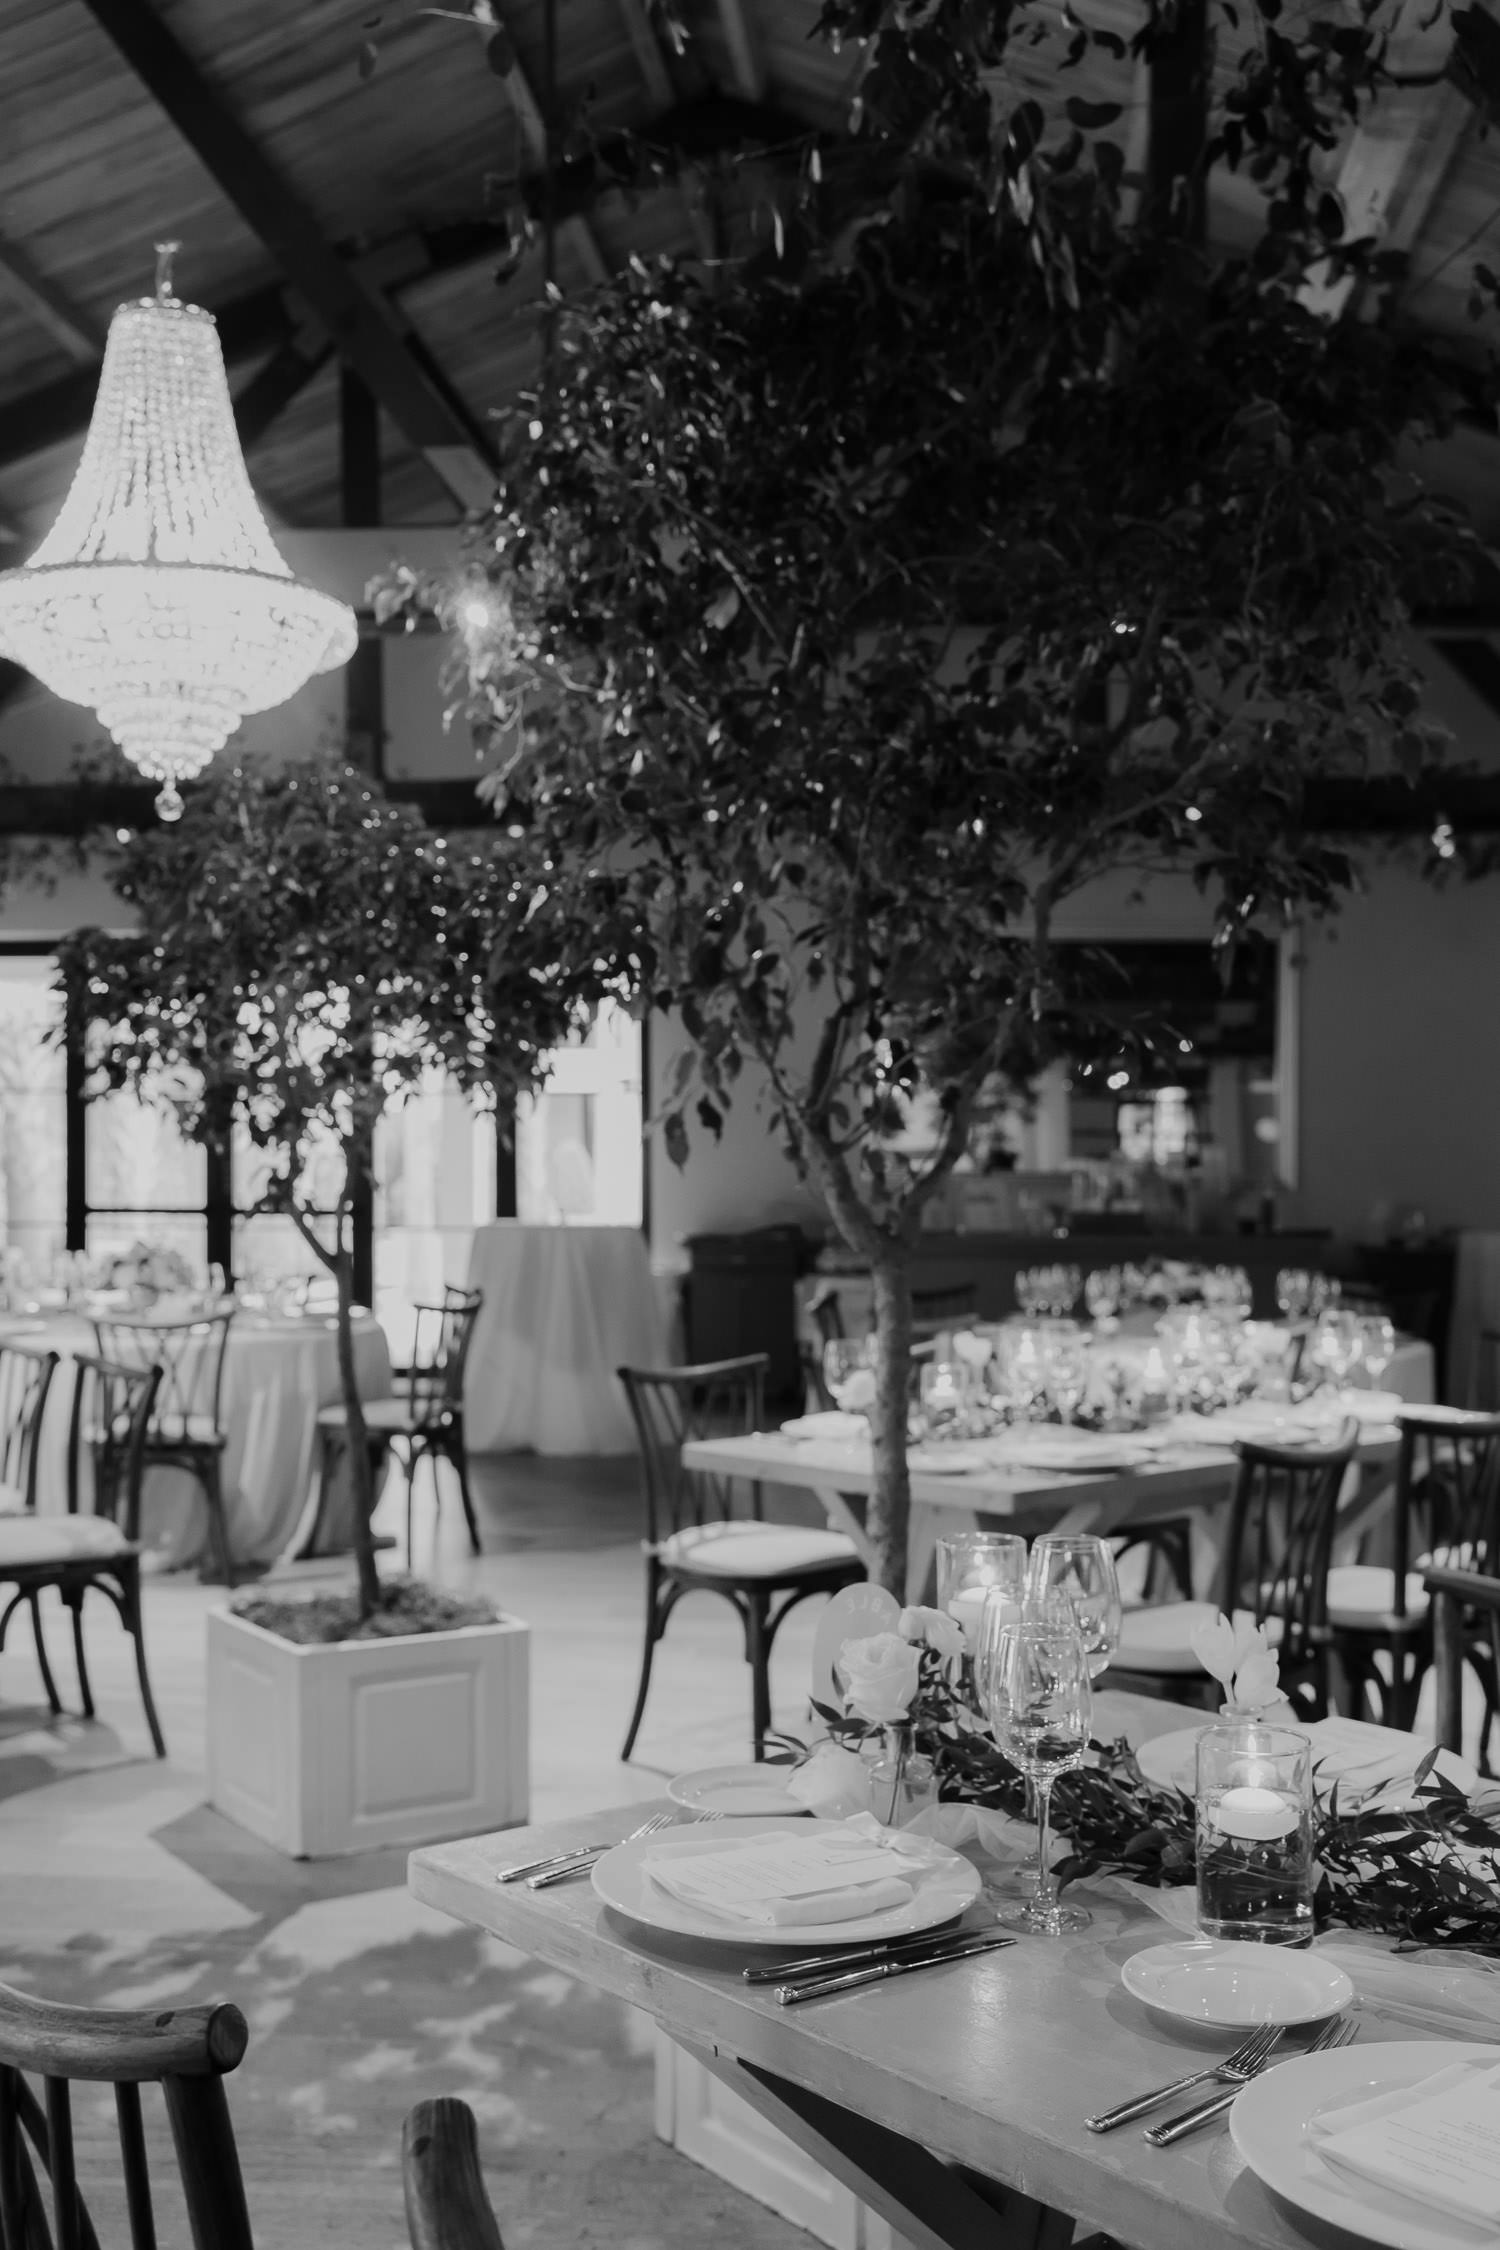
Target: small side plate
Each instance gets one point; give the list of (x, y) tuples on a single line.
[(1217, 1982), (736, 1792)]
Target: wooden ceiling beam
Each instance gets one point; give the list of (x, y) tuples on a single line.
[(647, 49), (47, 305), (366, 330), (747, 66), (532, 126)]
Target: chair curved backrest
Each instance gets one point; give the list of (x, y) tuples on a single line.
[(826, 1314), (190, 1354), (1447, 1493), (439, 1354), (1278, 1546), (669, 1405), (25, 1380), (186, 2051), (108, 1427), (446, 2204)]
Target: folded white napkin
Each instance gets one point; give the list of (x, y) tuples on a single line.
[(833, 1424), (1362, 1757), (833, 1872), (1437, 2141)]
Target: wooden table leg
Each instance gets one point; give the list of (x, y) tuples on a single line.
[(934, 2205)]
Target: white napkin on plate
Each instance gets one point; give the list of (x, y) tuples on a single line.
[(831, 1424), (1437, 2141), (834, 1872)]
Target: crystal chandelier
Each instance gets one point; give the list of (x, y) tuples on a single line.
[(158, 598)]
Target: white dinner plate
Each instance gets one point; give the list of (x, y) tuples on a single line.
[(945, 1460), (736, 1791), (1229, 1984), (1271, 2122), (944, 1888)]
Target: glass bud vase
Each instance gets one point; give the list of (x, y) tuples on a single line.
[(902, 1780), (1255, 1823)]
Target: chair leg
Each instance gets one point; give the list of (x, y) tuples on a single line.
[(130, 1613), (54, 1700), (458, 1454), (656, 1619), (758, 1650), (74, 1600), (218, 1527)]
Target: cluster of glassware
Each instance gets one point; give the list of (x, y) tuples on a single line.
[(1044, 1292), (1039, 1628), (1302, 1295)]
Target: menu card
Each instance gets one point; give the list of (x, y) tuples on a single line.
[(781, 1878), (1437, 2141)]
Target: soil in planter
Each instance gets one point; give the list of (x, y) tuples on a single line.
[(406, 1606)]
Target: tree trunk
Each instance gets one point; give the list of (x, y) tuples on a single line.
[(890, 1498), (359, 1449)]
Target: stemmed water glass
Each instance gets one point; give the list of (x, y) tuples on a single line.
[(1034, 1676), (1335, 1344), (1082, 1569), (849, 1371), (1293, 1288), (1065, 1359), (1377, 1345), (1102, 1292)]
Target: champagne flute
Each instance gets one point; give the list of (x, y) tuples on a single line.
[(1040, 1708), (1082, 1569)]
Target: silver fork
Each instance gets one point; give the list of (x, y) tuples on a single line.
[(1232, 2070), (584, 1858), (1340, 2033)]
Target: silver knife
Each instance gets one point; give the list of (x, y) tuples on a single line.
[(788, 1995), (552, 1859), (859, 1956)]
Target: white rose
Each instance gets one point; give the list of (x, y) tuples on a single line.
[(834, 1783), (933, 1626), (881, 1677)]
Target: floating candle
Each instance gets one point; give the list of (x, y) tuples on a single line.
[(1259, 1815)]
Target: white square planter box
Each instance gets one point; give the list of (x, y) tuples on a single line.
[(349, 1745)]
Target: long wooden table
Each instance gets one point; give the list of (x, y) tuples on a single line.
[(953, 2101), (1003, 1496)]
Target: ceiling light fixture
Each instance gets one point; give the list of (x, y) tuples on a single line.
[(158, 598)]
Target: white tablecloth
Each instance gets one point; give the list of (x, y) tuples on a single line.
[(277, 1374), (564, 1306)]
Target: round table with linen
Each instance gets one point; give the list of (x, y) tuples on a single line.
[(278, 1372), (564, 1306)]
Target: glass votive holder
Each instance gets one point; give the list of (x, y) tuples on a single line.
[(942, 1390), (1255, 1824), (969, 1565)]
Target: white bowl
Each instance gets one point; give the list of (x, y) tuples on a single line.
[(1230, 1985)]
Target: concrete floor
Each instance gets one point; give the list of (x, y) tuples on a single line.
[(116, 1885)]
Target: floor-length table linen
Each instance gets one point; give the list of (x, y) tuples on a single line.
[(991, 2064), (278, 1372), (564, 1306)]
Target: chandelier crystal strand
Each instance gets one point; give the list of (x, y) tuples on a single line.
[(158, 598)]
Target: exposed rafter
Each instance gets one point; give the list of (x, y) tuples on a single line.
[(367, 332), (746, 63), (47, 305), (647, 49), (575, 231)]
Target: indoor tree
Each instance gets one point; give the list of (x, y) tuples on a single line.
[(305, 952)]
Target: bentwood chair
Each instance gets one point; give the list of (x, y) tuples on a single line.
[(46, 2049), (94, 1546), (187, 1422), (424, 1418), (1273, 1571), (693, 1544), (1446, 1513), (446, 2204), (25, 1384), (1466, 1630)]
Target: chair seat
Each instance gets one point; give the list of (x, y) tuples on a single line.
[(393, 1417), (1362, 1599), (37, 1542), (1159, 1638), (755, 1550)]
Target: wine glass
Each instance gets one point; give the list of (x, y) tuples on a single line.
[(1037, 1697), (1377, 1343), (1293, 1286), (974, 1564), (1102, 1290), (1065, 1359), (849, 1372), (1335, 1344), (1083, 1569)]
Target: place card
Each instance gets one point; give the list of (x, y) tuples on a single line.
[(1437, 2141)]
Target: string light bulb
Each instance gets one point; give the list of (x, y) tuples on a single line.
[(158, 599)]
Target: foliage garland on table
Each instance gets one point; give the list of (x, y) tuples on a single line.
[(1392, 1870)]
